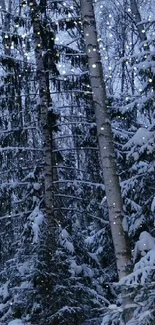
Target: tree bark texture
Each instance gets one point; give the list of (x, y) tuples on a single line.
[(49, 174), (105, 139)]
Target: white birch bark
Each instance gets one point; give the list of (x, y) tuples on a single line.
[(49, 175), (111, 180)]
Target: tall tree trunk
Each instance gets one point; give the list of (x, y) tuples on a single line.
[(111, 180), (44, 104), (124, 37)]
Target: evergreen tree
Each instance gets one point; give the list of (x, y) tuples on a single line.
[(61, 266)]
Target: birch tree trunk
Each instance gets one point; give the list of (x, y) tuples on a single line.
[(49, 175), (107, 154)]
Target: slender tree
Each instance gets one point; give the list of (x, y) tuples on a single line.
[(47, 115), (105, 139)]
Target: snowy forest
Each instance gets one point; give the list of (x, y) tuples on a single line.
[(77, 143)]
